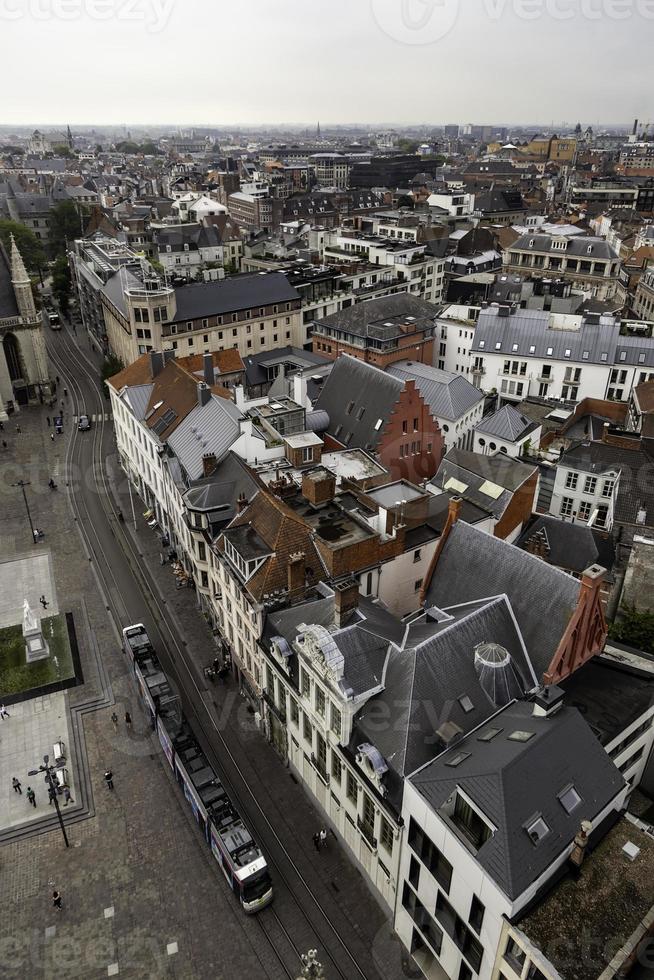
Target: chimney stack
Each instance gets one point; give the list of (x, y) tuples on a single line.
[(346, 601), (156, 362), (207, 364), (318, 486), (169, 355), (605, 431), (296, 570), (204, 394), (208, 464)]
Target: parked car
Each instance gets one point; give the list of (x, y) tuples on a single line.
[(84, 423)]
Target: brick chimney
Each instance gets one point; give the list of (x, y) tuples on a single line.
[(605, 431), (208, 464), (346, 600), (207, 366), (586, 631), (318, 486), (296, 569)]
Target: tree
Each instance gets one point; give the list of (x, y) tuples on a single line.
[(62, 150), (65, 226), (110, 366), (61, 283), (28, 244), (407, 146), (12, 150), (634, 628)]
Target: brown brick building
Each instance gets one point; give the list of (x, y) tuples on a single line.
[(379, 331)]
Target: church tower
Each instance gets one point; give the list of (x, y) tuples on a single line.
[(69, 138), (21, 283)]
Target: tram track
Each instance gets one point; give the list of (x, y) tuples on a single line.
[(71, 366)]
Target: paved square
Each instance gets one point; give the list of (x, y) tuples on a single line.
[(27, 577), (27, 735)]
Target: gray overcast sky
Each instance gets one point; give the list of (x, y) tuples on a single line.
[(285, 61)]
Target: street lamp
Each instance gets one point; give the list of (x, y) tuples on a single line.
[(22, 484), (49, 778)]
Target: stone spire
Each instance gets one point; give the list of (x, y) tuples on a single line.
[(19, 275)]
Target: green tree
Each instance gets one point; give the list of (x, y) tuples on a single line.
[(61, 283), (66, 224), (636, 629), (407, 145), (29, 245), (110, 366), (62, 150), (15, 150)]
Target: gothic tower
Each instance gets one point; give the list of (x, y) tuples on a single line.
[(21, 283)]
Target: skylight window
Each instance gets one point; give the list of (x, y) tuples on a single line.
[(457, 759), (532, 349), (378, 424), (550, 351), (604, 356), (514, 348), (519, 736), (585, 355), (498, 345), (567, 352), (482, 343), (488, 735), (569, 799), (466, 703), (537, 830)]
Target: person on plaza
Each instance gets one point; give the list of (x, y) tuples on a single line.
[(128, 719), (3, 712), (56, 901), (52, 484), (109, 779), (52, 795), (52, 436), (47, 418), (18, 429), (67, 797), (316, 841), (114, 719), (65, 393), (323, 836), (57, 379), (44, 602), (17, 785), (31, 796)]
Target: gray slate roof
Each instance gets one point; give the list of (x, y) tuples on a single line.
[(363, 389), (635, 489), (138, 399), (474, 565), (570, 545), (507, 423), (449, 396), (529, 333), (233, 294), (578, 246), (513, 782), (356, 319), (217, 494), (210, 428)]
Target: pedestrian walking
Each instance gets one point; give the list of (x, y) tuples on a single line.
[(57, 379), (4, 444), (52, 795), (3, 712), (52, 436), (65, 392), (47, 418), (323, 837), (109, 779), (67, 797), (316, 841), (56, 901), (18, 429), (31, 796), (44, 602), (2, 426), (62, 404), (17, 786), (114, 718), (128, 719)]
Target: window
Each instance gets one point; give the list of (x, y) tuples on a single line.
[(414, 872), (584, 512), (607, 488), (537, 830), (423, 920), (571, 481), (336, 721), (569, 799), (321, 755), (351, 788), (417, 585), (416, 555), (415, 425), (476, 916), (566, 507), (320, 701), (471, 825), (465, 973), (590, 485), (514, 955), (295, 712), (405, 427), (308, 733), (305, 681), (430, 856), (386, 835), (368, 818), (337, 768)]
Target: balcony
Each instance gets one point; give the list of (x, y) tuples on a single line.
[(544, 378)]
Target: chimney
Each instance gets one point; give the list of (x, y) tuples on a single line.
[(156, 362), (204, 394), (296, 569), (346, 600), (168, 355), (547, 701), (207, 365), (208, 464), (578, 851), (453, 509), (318, 486), (605, 431), (241, 503)]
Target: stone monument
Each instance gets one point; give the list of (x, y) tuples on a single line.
[(36, 646)]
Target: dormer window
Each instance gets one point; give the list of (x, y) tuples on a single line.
[(589, 250), (537, 830), (531, 243), (569, 799)]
